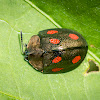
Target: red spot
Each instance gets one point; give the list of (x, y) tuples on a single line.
[(76, 59), (54, 41), (57, 69), (57, 59), (73, 36), (52, 32)]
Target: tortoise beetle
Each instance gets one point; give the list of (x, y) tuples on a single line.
[(55, 50)]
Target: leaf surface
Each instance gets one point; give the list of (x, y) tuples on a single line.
[(18, 80)]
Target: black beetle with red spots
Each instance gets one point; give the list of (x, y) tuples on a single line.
[(56, 50)]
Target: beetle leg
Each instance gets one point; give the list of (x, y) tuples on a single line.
[(26, 58)]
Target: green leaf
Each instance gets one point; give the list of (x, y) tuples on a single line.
[(18, 80)]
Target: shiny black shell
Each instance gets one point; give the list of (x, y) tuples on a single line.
[(56, 50)]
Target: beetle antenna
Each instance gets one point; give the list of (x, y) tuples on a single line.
[(21, 42)]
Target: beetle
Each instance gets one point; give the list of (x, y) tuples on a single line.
[(55, 50)]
